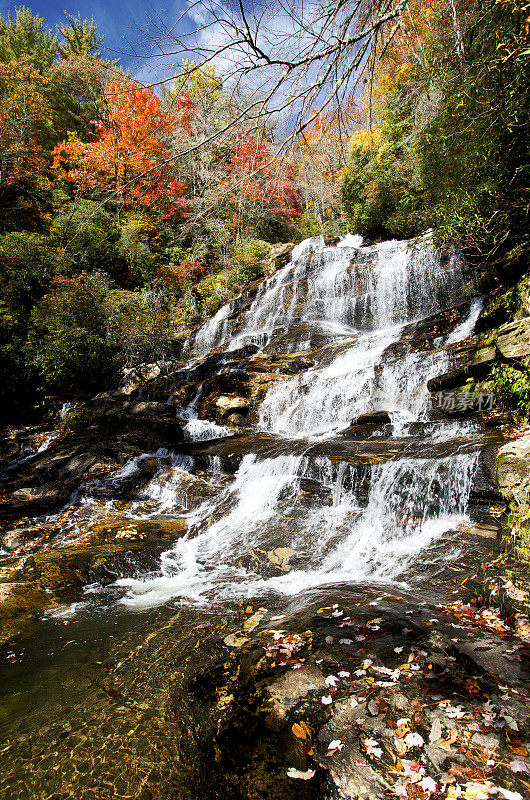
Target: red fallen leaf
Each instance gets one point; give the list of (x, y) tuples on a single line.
[(360, 763), (515, 744)]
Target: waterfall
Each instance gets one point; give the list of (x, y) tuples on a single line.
[(350, 307)]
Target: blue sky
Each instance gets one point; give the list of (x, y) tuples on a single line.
[(117, 20)]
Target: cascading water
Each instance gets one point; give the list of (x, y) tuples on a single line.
[(348, 307)]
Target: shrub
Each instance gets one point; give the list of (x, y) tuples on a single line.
[(66, 346), (140, 239), (89, 237), (248, 257), (512, 387), (139, 325)]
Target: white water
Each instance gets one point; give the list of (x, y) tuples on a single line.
[(359, 300)]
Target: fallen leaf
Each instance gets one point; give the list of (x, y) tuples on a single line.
[(518, 765), (372, 708), (304, 776), (414, 740), (300, 730), (436, 731), (509, 795), (336, 744), (516, 744)]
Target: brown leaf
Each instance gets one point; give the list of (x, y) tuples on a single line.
[(299, 730), (516, 745)]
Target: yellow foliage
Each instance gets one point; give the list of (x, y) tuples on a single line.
[(370, 140), (201, 82)]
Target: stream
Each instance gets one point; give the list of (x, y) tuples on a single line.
[(299, 510)]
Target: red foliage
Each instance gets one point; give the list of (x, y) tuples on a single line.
[(258, 180)]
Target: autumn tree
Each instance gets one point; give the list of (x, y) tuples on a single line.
[(25, 35), (24, 112), (79, 37), (321, 155), (131, 156), (262, 191)]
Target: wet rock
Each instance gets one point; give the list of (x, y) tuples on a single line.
[(135, 530), (477, 367), (512, 467), (18, 603), (286, 692), (236, 419), (235, 640), (280, 557), (227, 404), (252, 622), (114, 548), (372, 418), (349, 779), (279, 256), (31, 494), (513, 341), (13, 539)]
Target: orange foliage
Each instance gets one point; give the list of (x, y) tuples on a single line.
[(24, 111), (408, 47), (131, 156)]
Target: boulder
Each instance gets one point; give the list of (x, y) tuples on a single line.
[(227, 404), (512, 467), (278, 257), (513, 341), (372, 418), (476, 367), (280, 557), (14, 538), (236, 419)]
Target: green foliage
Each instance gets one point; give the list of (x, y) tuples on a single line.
[(139, 325), (79, 37), (89, 238), (27, 264), (512, 387), (248, 257), (140, 239), (455, 130), (378, 196), (66, 346), (519, 523), (25, 35), (75, 420)]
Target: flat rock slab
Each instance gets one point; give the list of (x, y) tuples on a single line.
[(352, 450), (293, 686)]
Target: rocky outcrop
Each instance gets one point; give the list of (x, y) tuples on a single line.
[(372, 418), (111, 549), (512, 467), (103, 436), (513, 340), (227, 405), (278, 257)]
